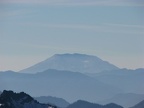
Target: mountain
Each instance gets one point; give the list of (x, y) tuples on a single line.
[(9, 99), (52, 100), (85, 104), (126, 99), (68, 85), (72, 62), (131, 81), (139, 105)]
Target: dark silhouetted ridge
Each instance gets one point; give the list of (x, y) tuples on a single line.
[(9, 99)]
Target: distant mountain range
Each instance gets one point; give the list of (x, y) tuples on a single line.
[(73, 86), (131, 81), (77, 77), (52, 100), (68, 85), (85, 104), (9, 99), (126, 99), (72, 62)]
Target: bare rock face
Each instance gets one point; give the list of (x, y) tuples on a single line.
[(9, 99)]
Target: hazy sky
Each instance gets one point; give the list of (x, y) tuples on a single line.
[(34, 30)]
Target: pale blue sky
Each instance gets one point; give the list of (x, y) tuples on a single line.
[(32, 30)]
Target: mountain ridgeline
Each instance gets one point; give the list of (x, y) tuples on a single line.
[(73, 77), (131, 81), (72, 62), (52, 100), (9, 99), (126, 99), (68, 85), (139, 105), (85, 104)]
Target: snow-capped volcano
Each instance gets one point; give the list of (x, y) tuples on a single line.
[(72, 62)]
